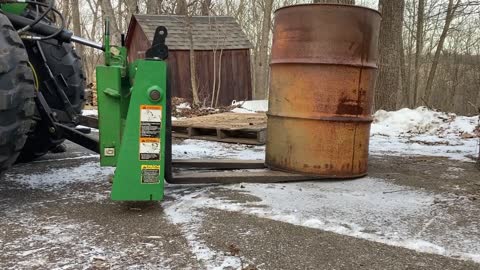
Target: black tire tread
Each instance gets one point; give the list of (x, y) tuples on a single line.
[(16, 91), (62, 59)]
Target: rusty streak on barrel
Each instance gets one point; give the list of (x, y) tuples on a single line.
[(323, 73)]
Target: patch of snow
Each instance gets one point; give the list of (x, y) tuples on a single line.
[(242, 110), (55, 242), (251, 106), (367, 208), (90, 112), (458, 149), (56, 178), (184, 105), (197, 149), (422, 121), (423, 132), (88, 156), (184, 211)]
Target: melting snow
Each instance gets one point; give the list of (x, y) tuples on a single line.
[(93, 112), (424, 132), (192, 149), (369, 208), (185, 211), (56, 178)]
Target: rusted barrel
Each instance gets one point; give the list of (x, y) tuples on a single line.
[(323, 72)]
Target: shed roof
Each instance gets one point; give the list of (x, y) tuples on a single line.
[(209, 32)]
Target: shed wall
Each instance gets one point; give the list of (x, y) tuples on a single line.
[(235, 75)]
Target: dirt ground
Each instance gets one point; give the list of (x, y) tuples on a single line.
[(74, 225)]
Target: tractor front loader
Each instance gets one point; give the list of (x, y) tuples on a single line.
[(42, 94), (41, 80)]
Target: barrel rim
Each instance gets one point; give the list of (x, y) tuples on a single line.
[(328, 4), (314, 61)]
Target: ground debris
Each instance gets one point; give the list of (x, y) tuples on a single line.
[(250, 267), (182, 108), (233, 249)]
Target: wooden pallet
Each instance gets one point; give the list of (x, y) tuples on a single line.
[(225, 127)]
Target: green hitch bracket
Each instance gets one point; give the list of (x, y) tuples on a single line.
[(132, 129)]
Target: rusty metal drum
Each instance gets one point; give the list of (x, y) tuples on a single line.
[(323, 72)]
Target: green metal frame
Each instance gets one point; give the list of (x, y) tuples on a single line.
[(16, 9), (132, 116)]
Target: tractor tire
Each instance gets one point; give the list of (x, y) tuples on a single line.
[(16, 94), (66, 65)]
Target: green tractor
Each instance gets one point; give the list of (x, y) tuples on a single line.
[(42, 96), (39, 69)]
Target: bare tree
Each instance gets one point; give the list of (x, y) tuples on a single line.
[(261, 68), (206, 7), (107, 11), (77, 25), (448, 20), (389, 82), (181, 7), (419, 48), (154, 7)]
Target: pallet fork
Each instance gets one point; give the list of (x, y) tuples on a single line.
[(135, 129)]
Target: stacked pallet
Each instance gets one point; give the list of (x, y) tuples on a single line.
[(245, 128)]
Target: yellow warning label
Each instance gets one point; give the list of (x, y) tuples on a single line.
[(150, 167), (150, 174)]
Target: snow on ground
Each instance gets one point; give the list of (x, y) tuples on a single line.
[(404, 132), (424, 132), (56, 178), (250, 106), (369, 208), (90, 112), (197, 149), (181, 211), (55, 242)]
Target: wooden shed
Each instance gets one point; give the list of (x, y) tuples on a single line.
[(222, 54)]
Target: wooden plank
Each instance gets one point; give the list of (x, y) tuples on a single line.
[(226, 121), (224, 127), (231, 177), (89, 121), (223, 164), (216, 139)]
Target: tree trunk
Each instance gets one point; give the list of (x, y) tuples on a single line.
[(389, 81), (261, 69), (448, 19), (132, 8), (77, 26), (154, 7), (107, 11), (193, 64), (347, 2), (181, 7), (206, 7), (403, 94), (419, 48)]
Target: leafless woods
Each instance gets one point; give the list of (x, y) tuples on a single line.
[(429, 49)]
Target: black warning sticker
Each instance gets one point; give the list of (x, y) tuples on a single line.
[(150, 174), (150, 129), (150, 126), (150, 149)]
